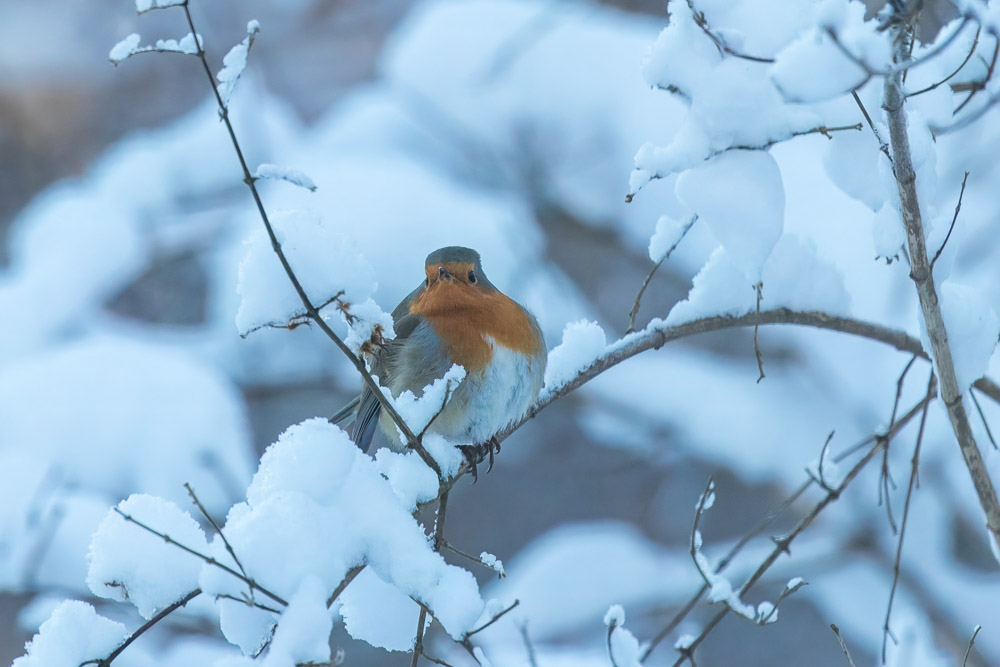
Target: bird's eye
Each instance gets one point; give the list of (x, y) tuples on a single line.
[(472, 276)]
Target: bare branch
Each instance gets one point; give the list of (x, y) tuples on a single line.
[(954, 219), (348, 578), (923, 279), (968, 57), (843, 645), (886, 632), (982, 416), (883, 146), (972, 642), (720, 43), (529, 649), (759, 287), (418, 646), (218, 530), (142, 629), (649, 276), (493, 620)]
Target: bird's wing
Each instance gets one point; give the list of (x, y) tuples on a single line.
[(368, 407), (346, 412)]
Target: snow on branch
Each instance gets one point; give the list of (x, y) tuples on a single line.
[(293, 176), (143, 6), (720, 588), (233, 65), (623, 648), (128, 47)]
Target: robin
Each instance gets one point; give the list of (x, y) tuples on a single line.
[(456, 316)]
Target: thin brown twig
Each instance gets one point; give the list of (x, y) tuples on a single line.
[(529, 649), (982, 416), (493, 620), (418, 646), (208, 559), (954, 219), (977, 86), (218, 530), (348, 578), (883, 146), (914, 463), (936, 84), (719, 42), (972, 642), (759, 287), (142, 629), (649, 276), (843, 644)]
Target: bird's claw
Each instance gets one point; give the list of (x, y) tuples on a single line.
[(476, 454)]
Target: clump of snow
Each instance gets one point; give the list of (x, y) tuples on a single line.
[(973, 328), (419, 411), (127, 562), (856, 165), (582, 343), (411, 479), (492, 562), (623, 647), (740, 196), (143, 6), (888, 233), (188, 44), (124, 49), (326, 263), (794, 277), (684, 642), (379, 613), (318, 506), (303, 632), (234, 63), (293, 176), (668, 234), (74, 634)]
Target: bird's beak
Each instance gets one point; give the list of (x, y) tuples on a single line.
[(444, 274)]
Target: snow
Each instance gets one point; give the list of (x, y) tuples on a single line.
[(379, 613), (492, 562), (293, 176), (317, 506), (126, 562), (124, 49), (419, 411), (973, 328), (624, 648), (143, 6), (411, 479), (303, 632), (615, 616), (327, 264), (888, 234), (582, 343), (73, 634), (794, 277), (667, 236), (855, 164), (740, 196), (234, 62)]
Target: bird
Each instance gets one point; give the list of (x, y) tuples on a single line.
[(455, 316)]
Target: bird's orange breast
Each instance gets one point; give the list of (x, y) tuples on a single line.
[(464, 315)]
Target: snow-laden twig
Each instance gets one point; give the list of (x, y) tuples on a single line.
[(418, 645), (218, 530), (143, 6), (720, 588), (311, 311), (128, 47), (287, 174), (685, 228), (923, 280), (233, 65), (782, 544)]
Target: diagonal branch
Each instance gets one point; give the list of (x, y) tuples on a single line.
[(311, 311), (923, 279)]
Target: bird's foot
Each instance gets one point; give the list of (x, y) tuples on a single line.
[(476, 454)]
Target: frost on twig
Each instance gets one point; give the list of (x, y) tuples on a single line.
[(143, 6), (234, 63), (720, 588), (129, 47), (623, 648), (293, 176)]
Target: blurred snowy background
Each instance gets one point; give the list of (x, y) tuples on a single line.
[(507, 126)]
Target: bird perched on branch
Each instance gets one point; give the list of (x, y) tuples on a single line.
[(456, 316)]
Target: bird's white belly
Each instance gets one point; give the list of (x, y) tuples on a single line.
[(489, 400)]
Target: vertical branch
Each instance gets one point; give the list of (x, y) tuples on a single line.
[(923, 279), (418, 646)]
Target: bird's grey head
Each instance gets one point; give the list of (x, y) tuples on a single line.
[(454, 256)]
